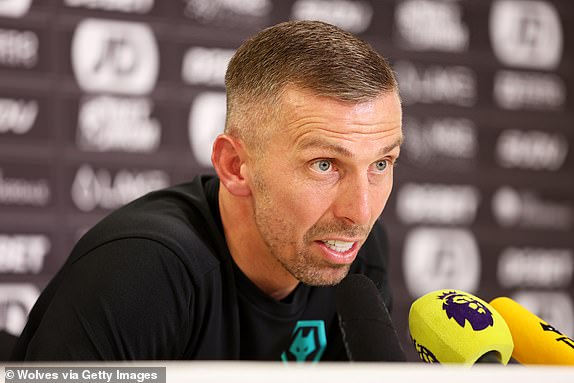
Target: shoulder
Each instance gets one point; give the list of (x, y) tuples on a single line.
[(175, 222), (133, 284), (125, 299)]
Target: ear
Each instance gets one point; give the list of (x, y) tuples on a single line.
[(229, 160)]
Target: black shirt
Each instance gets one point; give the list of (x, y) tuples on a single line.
[(154, 280)]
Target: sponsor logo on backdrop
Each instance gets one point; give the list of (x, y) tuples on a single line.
[(17, 116), (113, 123), (437, 257), (439, 138), (14, 8), (431, 25), (526, 90), (553, 307), (353, 16), (18, 49), (24, 192), (533, 149), (454, 85), (16, 301), (435, 203), (115, 56), (535, 267), (23, 253), (104, 189), (525, 208), (205, 66), (206, 122), (526, 34), (230, 13), (127, 6)]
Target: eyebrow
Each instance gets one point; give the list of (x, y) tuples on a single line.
[(319, 143)]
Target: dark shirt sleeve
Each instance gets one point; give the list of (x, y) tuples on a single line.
[(127, 299)]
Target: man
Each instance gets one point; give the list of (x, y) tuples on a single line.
[(242, 266)]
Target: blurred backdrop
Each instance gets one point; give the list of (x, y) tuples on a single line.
[(102, 101)]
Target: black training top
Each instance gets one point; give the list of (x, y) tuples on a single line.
[(155, 280)]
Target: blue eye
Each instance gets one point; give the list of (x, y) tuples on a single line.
[(322, 165), (381, 165)]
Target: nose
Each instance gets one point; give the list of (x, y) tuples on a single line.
[(354, 200)]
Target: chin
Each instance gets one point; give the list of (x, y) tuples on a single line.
[(329, 277)]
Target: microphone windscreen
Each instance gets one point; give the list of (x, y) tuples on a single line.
[(535, 341), (366, 325), (451, 326)]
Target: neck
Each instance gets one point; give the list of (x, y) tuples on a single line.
[(248, 249)]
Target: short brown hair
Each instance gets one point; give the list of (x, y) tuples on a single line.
[(310, 55)]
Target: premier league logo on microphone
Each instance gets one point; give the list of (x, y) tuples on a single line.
[(463, 307)]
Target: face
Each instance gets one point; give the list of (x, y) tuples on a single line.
[(323, 180)]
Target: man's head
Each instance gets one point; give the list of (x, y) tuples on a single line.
[(308, 55), (313, 130)]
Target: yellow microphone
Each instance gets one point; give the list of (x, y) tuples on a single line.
[(535, 341), (451, 326)]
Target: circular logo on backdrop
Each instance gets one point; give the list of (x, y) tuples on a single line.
[(437, 257), (526, 34)]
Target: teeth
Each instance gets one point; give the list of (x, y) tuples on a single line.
[(339, 246)]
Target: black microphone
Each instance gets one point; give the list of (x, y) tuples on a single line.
[(368, 332)]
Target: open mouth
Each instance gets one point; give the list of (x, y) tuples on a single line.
[(338, 251), (338, 246)]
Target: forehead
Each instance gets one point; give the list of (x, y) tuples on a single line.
[(304, 114)]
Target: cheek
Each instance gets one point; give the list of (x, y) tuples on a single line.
[(305, 204), (381, 194), (300, 204)]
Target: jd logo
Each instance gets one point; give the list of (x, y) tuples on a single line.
[(308, 342), (115, 56), (118, 55)]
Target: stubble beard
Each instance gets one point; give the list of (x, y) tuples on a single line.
[(295, 257)]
